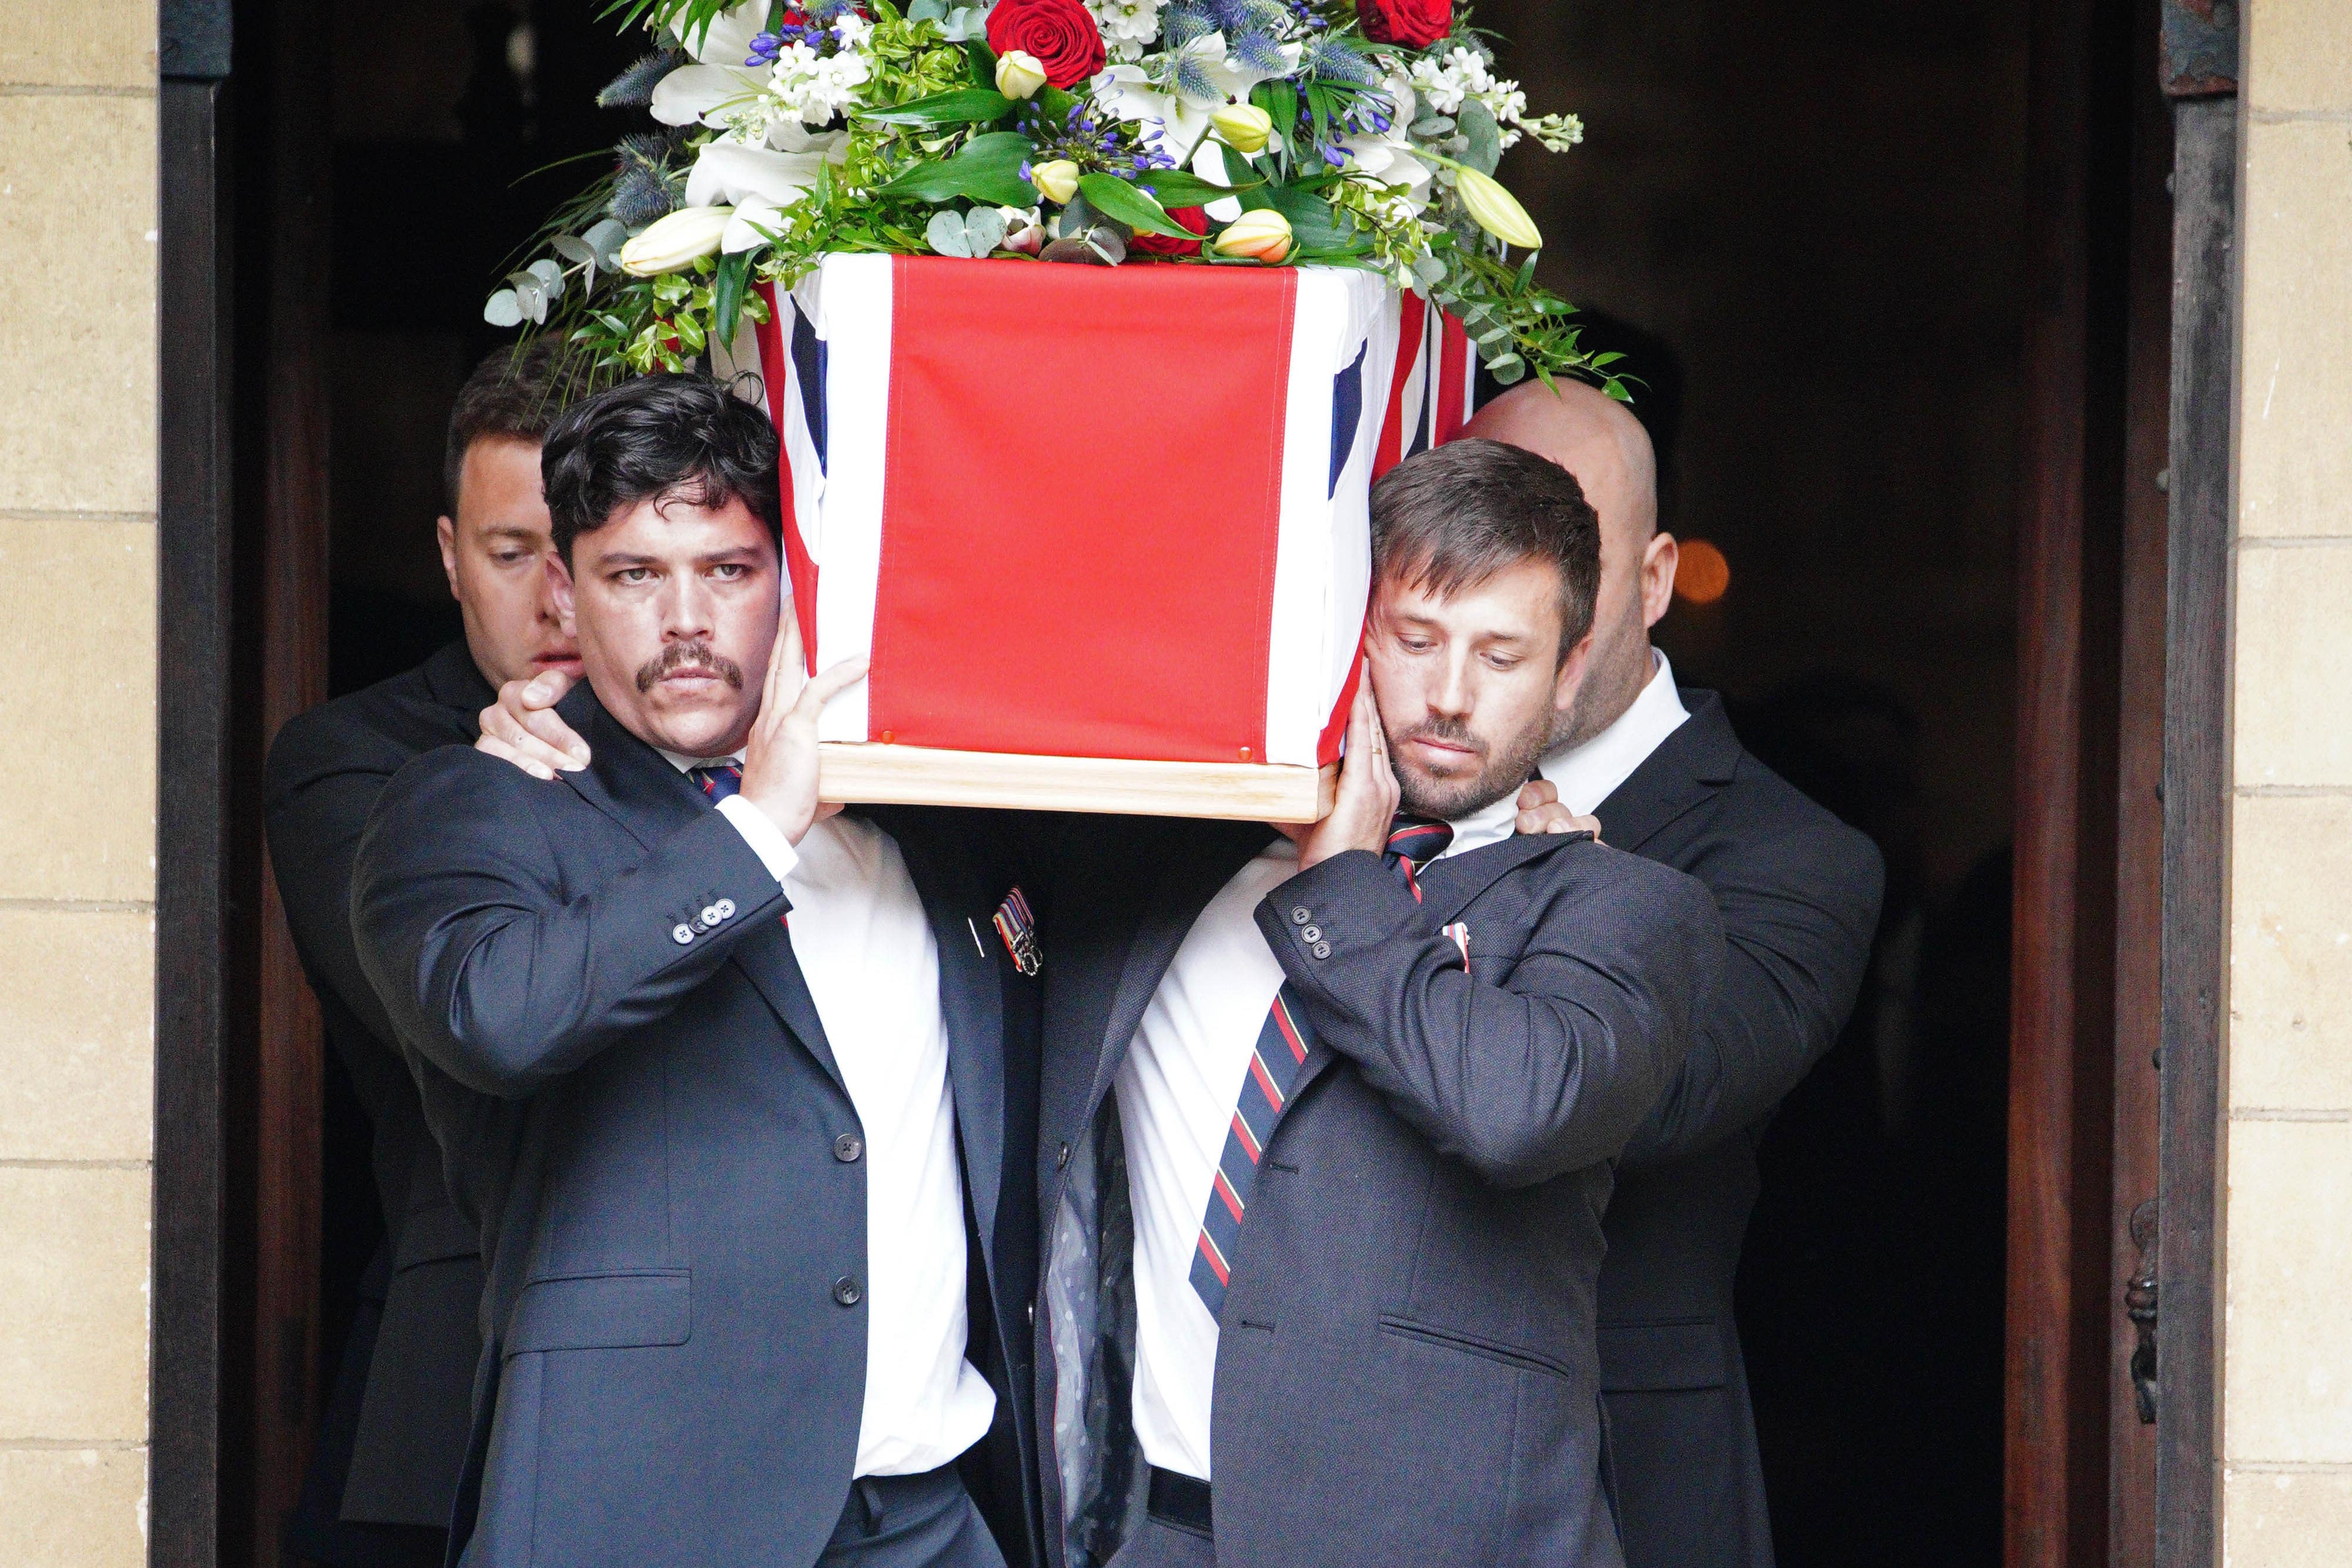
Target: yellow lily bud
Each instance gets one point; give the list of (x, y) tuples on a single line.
[(1019, 74), (1245, 127), (1495, 209), (1057, 181), (1260, 233), (676, 241)]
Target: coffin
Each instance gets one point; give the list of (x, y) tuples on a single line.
[(1101, 532)]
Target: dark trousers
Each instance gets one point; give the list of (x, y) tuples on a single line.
[(911, 1522), (1175, 1533)]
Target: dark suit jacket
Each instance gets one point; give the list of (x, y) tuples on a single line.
[(325, 771), (675, 1346), (1405, 1373), (1798, 894)]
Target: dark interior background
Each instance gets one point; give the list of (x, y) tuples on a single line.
[(1804, 225)]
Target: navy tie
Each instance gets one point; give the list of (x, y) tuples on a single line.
[(1413, 843), (719, 782)]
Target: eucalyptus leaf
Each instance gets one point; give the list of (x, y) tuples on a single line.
[(961, 106), (983, 228), (987, 170), (928, 11), (549, 276), (1486, 137), (531, 296), (1115, 198), (1107, 243), (1428, 270), (605, 236), (1509, 369), (1076, 217), (502, 309), (572, 248), (1431, 126), (946, 235)]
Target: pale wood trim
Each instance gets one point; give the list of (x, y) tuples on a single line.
[(873, 774)]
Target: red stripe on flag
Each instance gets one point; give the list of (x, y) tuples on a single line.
[(775, 372), (1453, 379), (1409, 346), (1084, 473)]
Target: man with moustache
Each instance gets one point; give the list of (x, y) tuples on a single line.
[(738, 1098), (1335, 1110), (1799, 893), (384, 1472)]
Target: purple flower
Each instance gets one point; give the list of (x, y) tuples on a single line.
[(1334, 156)]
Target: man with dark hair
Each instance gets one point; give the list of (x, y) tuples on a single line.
[(385, 1472), (1799, 893), (1342, 1102), (738, 1097)]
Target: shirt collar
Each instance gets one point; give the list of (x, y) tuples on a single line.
[(1589, 774), (688, 764), (1487, 825)]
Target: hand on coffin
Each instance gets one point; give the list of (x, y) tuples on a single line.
[(1540, 811), (1366, 804), (780, 765), (523, 726)]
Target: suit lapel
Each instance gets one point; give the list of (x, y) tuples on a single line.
[(635, 786), (1686, 767), (455, 682), (1193, 871), (971, 999)]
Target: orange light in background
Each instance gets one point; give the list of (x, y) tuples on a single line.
[(1701, 574)]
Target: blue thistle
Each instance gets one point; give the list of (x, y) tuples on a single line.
[(1335, 62), (634, 87), (1258, 51), (1191, 79), (1182, 25)]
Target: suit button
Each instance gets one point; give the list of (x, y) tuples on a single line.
[(1300, 915), (1312, 935), (847, 1147), (848, 1290), (726, 907), (681, 934), (710, 915), (1322, 949), (1062, 1158)]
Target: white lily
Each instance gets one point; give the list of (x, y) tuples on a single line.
[(719, 84), (759, 182), (1129, 92), (1387, 156)]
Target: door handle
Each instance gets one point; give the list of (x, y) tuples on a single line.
[(2140, 1305)]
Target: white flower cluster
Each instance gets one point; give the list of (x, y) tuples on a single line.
[(817, 87), (1127, 26), (1462, 74)]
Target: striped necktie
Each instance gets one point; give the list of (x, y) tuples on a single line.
[(719, 782), (1283, 1042)]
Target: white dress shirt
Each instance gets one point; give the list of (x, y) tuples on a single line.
[(1589, 774), (865, 947), (1177, 1090)]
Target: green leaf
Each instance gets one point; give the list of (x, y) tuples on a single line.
[(984, 61), (1484, 137), (960, 106), (690, 332), (727, 293), (987, 170), (1174, 188), (1114, 197), (928, 11), (1056, 103), (1314, 226)]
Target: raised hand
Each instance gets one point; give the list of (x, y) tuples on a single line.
[(1366, 802), (780, 765), (523, 728)]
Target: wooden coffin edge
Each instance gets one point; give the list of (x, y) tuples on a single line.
[(868, 773)]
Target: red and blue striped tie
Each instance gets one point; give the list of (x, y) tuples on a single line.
[(1283, 1042), (719, 782)]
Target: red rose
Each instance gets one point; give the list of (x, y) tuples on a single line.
[(1193, 218), (1061, 33), (1416, 24)]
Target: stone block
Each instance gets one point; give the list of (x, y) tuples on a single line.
[(2272, 1519), (78, 344), (2298, 54), (78, 705), (77, 1035), (74, 1244), (74, 1507), (2288, 1279), (2293, 702), (2295, 370)]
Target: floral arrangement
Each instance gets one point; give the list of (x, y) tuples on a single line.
[(1104, 132)]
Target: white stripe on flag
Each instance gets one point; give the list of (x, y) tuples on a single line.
[(850, 301)]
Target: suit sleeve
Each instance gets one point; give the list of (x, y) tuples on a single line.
[(317, 789), (491, 966), (1798, 917), (1549, 1070)]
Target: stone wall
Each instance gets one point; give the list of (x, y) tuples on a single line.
[(77, 601), (2287, 1341)]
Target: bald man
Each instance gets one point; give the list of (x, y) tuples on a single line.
[(1798, 892)]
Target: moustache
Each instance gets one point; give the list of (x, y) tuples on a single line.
[(699, 656)]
